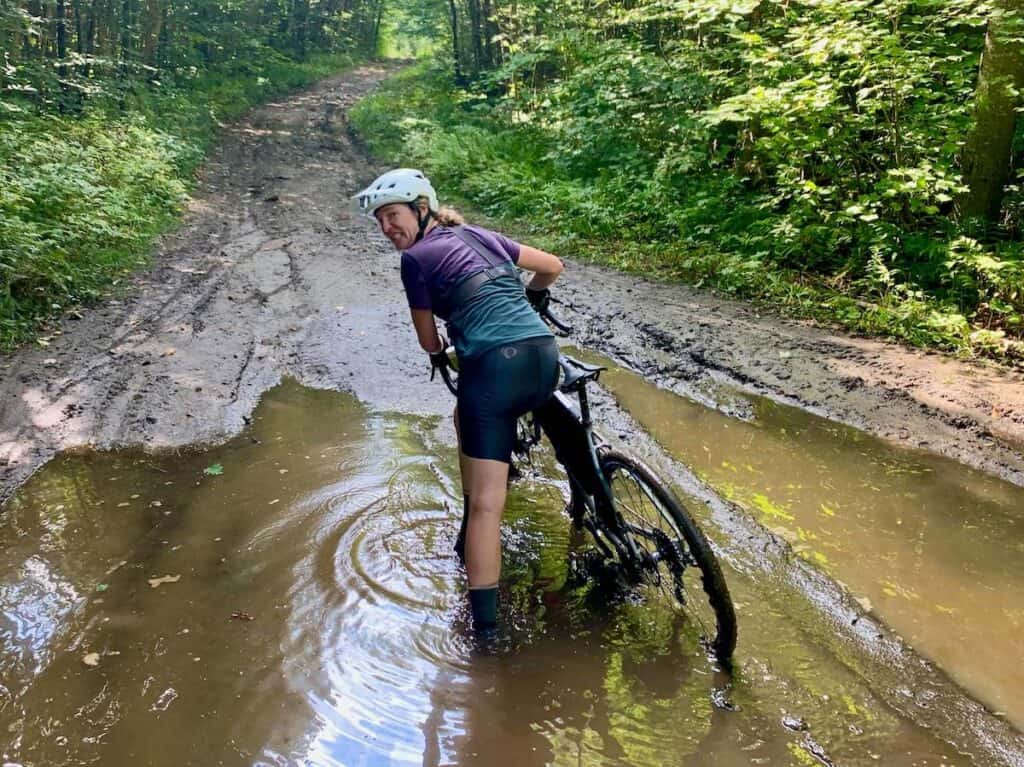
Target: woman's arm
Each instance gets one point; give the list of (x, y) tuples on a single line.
[(545, 267), (426, 330)]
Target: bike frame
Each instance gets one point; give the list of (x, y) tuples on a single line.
[(576, 447)]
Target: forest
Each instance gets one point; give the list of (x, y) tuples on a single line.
[(854, 162)]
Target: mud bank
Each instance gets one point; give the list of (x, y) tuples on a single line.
[(691, 342)]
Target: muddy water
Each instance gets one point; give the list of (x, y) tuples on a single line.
[(292, 598), (930, 546)]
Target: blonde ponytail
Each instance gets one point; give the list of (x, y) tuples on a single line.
[(449, 217)]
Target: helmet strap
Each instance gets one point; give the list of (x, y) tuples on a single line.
[(422, 219)]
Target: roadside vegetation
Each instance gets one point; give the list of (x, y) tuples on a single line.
[(853, 162), (106, 109)]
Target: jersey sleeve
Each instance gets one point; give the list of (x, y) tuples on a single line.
[(415, 285)]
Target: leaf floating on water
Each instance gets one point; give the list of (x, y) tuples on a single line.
[(767, 507), (276, 500), (241, 615), (166, 699), (865, 604), (154, 582), (214, 470), (91, 659)]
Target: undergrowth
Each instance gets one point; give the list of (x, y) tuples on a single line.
[(508, 166), (82, 197)]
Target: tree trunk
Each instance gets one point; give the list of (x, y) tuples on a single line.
[(475, 34), (61, 23), (987, 152), (155, 14), (455, 41), (89, 44), (126, 35)]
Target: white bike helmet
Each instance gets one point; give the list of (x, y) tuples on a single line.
[(401, 185)]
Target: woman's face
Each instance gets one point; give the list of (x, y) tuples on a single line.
[(399, 224)]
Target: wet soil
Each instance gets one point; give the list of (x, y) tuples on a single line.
[(269, 276)]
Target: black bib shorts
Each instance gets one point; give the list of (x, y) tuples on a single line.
[(497, 387)]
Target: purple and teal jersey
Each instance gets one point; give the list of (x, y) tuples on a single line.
[(497, 314)]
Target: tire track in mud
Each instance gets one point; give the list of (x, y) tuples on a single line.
[(186, 352)]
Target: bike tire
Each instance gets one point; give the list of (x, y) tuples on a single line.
[(659, 521)]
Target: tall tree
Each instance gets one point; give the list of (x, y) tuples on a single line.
[(988, 151)]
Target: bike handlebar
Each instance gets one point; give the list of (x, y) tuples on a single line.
[(554, 321)]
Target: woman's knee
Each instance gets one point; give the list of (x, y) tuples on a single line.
[(486, 507)]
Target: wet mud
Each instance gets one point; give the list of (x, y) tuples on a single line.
[(269, 277), (928, 545)]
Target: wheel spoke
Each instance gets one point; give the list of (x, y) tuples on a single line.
[(673, 569)]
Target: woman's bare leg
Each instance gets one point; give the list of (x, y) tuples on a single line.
[(463, 458), (464, 474), (489, 482)]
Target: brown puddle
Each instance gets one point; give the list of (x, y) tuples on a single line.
[(930, 546), (292, 598)]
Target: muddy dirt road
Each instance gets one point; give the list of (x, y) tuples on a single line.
[(269, 277)]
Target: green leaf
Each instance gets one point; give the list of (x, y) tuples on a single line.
[(213, 470)]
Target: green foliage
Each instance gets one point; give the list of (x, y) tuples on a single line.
[(78, 200), (82, 197), (805, 153)]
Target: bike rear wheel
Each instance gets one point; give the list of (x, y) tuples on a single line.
[(674, 550)]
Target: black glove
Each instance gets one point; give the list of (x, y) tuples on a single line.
[(439, 360), (539, 299)]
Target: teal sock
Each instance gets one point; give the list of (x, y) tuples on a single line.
[(483, 603)]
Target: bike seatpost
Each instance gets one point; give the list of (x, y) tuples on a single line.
[(584, 407)]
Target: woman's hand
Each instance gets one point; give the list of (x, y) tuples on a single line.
[(439, 359), (539, 299)]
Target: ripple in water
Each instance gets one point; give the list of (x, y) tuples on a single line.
[(377, 606)]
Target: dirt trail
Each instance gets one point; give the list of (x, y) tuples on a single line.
[(270, 277)]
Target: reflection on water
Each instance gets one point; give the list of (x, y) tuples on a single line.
[(292, 598), (931, 546)]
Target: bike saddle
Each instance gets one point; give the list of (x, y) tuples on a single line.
[(576, 373)]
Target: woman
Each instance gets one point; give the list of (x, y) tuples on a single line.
[(508, 359)]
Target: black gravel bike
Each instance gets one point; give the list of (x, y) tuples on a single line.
[(639, 528)]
